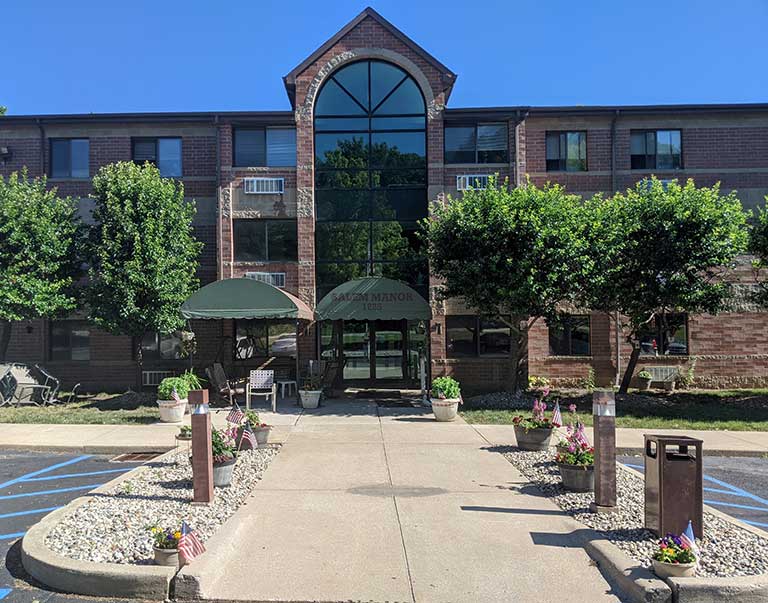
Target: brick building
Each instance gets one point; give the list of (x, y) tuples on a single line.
[(331, 191)]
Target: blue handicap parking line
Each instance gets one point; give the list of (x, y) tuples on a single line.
[(736, 505), (45, 470), (46, 478), (4, 592), (12, 536), (45, 492), (759, 524), (30, 512)]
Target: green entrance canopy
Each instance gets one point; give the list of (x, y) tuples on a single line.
[(244, 298), (373, 298)]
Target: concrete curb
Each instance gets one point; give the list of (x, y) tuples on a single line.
[(88, 449), (149, 582), (631, 451), (744, 589)]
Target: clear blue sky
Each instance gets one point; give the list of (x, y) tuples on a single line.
[(167, 55)]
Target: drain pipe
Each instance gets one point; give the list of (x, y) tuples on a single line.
[(219, 233), (614, 186), (42, 146)]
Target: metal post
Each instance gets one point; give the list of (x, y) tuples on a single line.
[(202, 451), (423, 379), (604, 421)]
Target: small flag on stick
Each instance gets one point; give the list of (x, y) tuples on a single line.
[(189, 544), (236, 415), (175, 396), (557, 417), (249, 435), (689, 539)]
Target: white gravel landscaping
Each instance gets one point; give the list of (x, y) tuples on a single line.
[(112, 526), (726, 550)]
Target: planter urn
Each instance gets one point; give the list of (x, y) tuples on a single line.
[(168, 557), (533, 439), (261, 433), (643, 384), (310, 398), (223, 472), (445, 409), (578, 478), (172, 411), (673, 570)]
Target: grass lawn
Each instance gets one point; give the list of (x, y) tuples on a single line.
[(731, 410), (103, 409)]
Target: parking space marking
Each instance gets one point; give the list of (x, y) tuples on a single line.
[(26, 476), (12, 536), (30, 512), (4, 592), (46, 478), (44, 492)]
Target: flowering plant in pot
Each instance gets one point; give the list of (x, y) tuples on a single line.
[(260, 430), (577, 462), (675, 557), (570, 425), (310, 391), (185, 433), (224, 451), (446, 397), (165, 544), (644, 379), (172, 399), (534, 432)]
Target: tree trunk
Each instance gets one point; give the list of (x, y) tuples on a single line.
[(630, 368), (5, 338), (518, 356), (139, 364)]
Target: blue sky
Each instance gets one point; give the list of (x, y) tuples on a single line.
[(167, 55)]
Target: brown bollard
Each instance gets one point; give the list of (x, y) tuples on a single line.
[(604, 421), (202, 452)]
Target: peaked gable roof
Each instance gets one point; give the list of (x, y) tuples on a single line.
[(448, 76)]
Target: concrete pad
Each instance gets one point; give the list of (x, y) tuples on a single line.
[(497, 435), (318, 546), (337, 433), (450, 467), (312, 465), (496, 547), (430, 432), (346, 412)]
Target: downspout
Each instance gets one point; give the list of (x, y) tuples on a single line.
[(45, 323), (42, 146), (521, 117), (219, 233), (614, 186)]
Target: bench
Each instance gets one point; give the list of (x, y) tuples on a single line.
[(663, 374)]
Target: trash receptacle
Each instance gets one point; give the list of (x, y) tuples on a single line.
[(673, 484)]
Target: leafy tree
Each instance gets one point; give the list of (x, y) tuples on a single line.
[(513, 254), (758, 245), (661, 250), (3, 110), (144, 255), (40, 251)]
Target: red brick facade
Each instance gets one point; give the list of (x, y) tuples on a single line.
[(719, 144)]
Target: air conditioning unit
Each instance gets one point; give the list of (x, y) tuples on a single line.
[(276, 279), (476, 181), (264, 186)]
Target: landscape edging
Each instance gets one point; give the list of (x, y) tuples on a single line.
[(744, 589), (150, 582)]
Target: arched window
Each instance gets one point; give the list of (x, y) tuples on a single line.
[(370, 176)]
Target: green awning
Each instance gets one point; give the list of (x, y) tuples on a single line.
[(373, 298), (244, 298)]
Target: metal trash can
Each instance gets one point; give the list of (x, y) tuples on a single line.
[(673, 484)]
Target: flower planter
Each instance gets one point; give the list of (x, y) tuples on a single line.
[(169, 557), (261, 433), (222, 473), (578, 478), (182, 438), (310, 398), (643, 384), (534, 439), (673, 570), (172, 411), (445, 409)]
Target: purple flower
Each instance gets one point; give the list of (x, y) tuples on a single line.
[(572, 407)]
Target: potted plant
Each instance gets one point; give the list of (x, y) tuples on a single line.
[(224, 455), (538, 386), (674, 558), (577, 463), (644, 379), (165, 544), (172, 409), (185, 433), (445, 398), (534, 432), (310, 391), (194, 383), (260, 430)]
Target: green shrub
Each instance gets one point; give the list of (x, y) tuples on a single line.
[(446, 387), (193, 381), (644, 375), (167, 385), (535, 382)]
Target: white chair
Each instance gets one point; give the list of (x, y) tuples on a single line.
[(261, 383)]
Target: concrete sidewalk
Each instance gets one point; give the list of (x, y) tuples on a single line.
[(385, 504)]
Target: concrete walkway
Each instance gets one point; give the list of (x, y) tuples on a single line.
[(385, 504)]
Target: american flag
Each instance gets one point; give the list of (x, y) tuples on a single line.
[(175, 396), (189, 544), (249, 435), (557, 417), (580, 435), (235, 415), (689, 539)]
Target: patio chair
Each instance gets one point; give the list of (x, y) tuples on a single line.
[(225, 389), (261, 383), (8, 385), (43, 394)]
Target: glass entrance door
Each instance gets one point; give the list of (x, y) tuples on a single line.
[(356, 350), (388, 350)]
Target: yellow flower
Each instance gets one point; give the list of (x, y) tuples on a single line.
[(177, 535)]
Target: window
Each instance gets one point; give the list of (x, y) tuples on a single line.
[(569, 336), (272, 147), (656, 150), (70, 340), (161, 346), (476, 181), (566, 151), (666, 336), (70, 157), (262, 338), (165, 153), (265, 240), (471, 336), (479, 143)]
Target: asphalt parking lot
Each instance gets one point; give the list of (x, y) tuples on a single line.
[(33, 484), (737, 486)]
